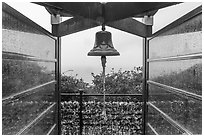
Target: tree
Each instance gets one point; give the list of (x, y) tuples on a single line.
[(121, 82), (70, 84)]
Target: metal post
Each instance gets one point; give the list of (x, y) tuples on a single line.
[(145, 88), (148, 21), (80, 112), (57, 74), (59, 85)]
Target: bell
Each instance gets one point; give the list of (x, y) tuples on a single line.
[(103, 45)]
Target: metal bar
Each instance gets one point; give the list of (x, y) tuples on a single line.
[(179, 21), (144, 87), (8, 9), (147, 78), (35, 121), (73, 25), (28, 91), (68, 94), (175, 58), (51, 129), (132, 26), (31, 59), (80, 112), (58, 84), (22, 57), (176, 90), (54, 19), (170, 120), (150, 126)]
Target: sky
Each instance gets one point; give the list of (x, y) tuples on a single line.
[(75, 47)]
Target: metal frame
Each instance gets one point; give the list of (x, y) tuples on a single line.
[(179, 21), (145, 88), (176, 58), (21, 57), (57, 86), (73, 25), (170, 120), (25, 92), (87, 15), (153, 130), (126, 25), (114, 10), (12, 56), (132, 26), (68, 94), (77, 24), (51, 129), (170, 89), (176, 90), (11, 11), (27, 128)]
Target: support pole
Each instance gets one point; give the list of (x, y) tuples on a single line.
[(147, 21), (145, 88), (54, 20)]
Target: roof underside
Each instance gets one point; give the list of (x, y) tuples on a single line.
[(118, 15), (110, 11)]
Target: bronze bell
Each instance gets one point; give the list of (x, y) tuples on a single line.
[(103, 45)]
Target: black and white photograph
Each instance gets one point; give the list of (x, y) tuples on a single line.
[(101, 68)]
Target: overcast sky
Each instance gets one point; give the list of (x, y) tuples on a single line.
[(76, 46)]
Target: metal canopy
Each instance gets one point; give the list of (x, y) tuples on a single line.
[(91, 14)]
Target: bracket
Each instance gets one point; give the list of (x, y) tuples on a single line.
[(148, 20), (55, 19)]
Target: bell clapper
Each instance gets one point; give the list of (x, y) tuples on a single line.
[(103, 62)]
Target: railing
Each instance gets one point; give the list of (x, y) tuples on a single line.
[(80, 96)]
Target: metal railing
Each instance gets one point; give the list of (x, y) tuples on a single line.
[(169, 119)]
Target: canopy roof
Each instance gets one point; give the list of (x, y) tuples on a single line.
[(91, 14)]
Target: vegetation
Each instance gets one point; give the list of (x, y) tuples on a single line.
[(123, 113), (123, 118), (70, 84), (121, 82)]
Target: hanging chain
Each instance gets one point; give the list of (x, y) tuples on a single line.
[(103, 27), (103, 61)]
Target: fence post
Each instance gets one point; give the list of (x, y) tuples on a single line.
[(80, 112)]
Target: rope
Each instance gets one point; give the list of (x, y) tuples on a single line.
[(103, 62)]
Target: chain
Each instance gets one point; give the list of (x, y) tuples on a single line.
[(103, 61)]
